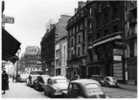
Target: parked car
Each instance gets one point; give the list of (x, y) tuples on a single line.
[(33, 76), (38, 83), (56, 86), (19, 79), (110, 81), (85, 88)]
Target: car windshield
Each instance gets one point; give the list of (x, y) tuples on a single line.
[(93, 89), (60, 81), (112, 78), (36, 72)]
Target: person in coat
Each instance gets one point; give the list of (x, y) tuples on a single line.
[(5, 81)]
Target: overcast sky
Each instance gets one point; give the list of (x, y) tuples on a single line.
[(32, 16)]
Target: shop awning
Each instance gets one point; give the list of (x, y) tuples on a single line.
[(9, 46), (107, 40)]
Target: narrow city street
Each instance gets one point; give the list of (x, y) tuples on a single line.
[(20, 90)]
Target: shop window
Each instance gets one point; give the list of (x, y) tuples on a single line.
[(78, 51)]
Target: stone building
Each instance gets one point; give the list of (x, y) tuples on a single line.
[(97, 39), (61, 46), (131, 41), (30, 60), (48, 50)]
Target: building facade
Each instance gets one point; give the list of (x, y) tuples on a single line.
[(48, 50), (61, 46), (131, 42), (100, 47), (30, 60), (77, 42)]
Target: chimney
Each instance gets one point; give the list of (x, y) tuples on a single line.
[(81, 4)]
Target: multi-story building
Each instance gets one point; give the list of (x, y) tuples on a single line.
[(61, 46), (77, 42), (48, 50), (131, 42), (96, 39)]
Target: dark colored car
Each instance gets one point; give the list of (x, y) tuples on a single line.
[(110, 81), (19, 79), (37, 84), (85, 88)]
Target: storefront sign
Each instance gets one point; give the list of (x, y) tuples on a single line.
[(118, 71), (117, 58), (8, 19)]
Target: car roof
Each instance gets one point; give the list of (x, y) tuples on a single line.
[(57, 77), (85, 81)]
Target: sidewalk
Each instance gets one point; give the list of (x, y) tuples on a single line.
[(128, 87), (20, 90)]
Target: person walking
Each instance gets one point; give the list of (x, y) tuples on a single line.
[(5, 81)]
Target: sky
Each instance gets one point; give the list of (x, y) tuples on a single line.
[(32, 16)]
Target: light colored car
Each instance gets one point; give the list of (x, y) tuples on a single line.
[(85, 88), (110, 81), (56, 86)]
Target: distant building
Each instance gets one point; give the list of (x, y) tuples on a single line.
[(61, 46), (30, 60)]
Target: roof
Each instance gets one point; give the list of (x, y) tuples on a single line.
[(58, 77), (85, 81)]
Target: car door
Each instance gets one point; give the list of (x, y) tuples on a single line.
[(48, 88), (74, 90)]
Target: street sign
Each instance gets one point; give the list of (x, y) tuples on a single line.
[(8, 19)]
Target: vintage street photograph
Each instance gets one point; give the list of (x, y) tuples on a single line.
[(69, 49)]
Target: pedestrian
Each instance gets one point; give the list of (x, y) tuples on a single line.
[(30, 79), (5, 81)]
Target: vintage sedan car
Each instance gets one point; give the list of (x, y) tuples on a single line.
[(33, 76), (85, 88), (110, 81), (38, 83), (56, 86)]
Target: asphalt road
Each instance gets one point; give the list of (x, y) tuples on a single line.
[(20, 90)]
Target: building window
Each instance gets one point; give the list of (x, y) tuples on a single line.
[(131, 49), (78, 51), (90, 11), (115, 28), (106, 32), (79, 41), (58, 71), (135, 48)]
